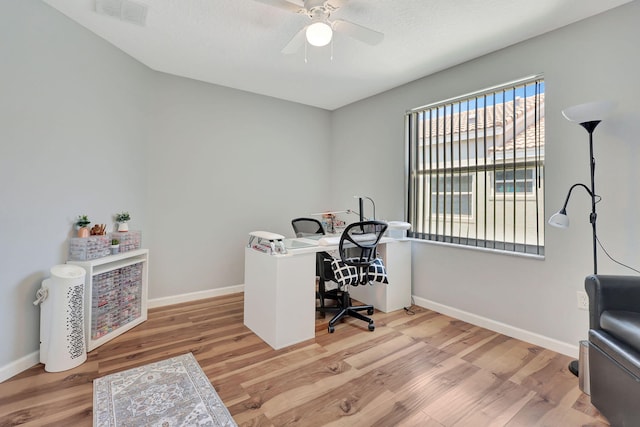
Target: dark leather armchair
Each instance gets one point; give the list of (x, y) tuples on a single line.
[(614, 347)]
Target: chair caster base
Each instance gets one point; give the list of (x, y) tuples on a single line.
[(370, 311), (331, 329), (371, 326)]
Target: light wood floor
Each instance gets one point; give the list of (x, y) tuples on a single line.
[(424, 370)]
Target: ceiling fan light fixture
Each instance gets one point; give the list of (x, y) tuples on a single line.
[(319, 34)]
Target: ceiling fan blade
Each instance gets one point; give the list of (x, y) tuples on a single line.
[(284, 4), (295, 43), (364, 34), (334, 5)]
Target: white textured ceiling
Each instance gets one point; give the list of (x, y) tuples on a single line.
[(237, 43)]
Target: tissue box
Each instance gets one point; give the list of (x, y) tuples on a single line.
[(398, 229), (396, 233)]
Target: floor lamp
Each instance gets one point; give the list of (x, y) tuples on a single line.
[(588, 116)]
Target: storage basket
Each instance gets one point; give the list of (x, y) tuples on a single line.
[(88, 248), (129, 240)]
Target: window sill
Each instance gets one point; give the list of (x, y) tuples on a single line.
[(479, 248)]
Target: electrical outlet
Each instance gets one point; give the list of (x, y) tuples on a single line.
[(583, 300)]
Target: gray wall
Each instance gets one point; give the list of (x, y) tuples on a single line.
[(85, 129), (222, 163), (70, 144), (591, 60)]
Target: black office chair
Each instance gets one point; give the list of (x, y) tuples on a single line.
[(358, 265), (303, 227), (307, 227)]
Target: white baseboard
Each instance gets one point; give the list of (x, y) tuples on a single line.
[(502, 328), (194, 296), (17, 366)]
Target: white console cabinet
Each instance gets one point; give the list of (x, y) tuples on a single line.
[(115, 295)]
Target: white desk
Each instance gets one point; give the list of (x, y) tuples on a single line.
[(280, 296)]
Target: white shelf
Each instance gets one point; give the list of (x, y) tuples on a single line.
[(118, 295)]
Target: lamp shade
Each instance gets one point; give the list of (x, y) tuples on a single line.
[(559, 220), (319, 34), (589, 112)]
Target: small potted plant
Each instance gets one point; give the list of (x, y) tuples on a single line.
[(115, 246), (122, 219), (81, 224)]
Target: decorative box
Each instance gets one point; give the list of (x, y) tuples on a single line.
[(88, 248), (129, 240)]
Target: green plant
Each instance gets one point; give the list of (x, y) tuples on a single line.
[(82, 221), (123, 217), (115, 242)]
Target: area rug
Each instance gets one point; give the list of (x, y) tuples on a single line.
[(172, 392)]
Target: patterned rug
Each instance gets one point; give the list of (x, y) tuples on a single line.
[(172, 392)]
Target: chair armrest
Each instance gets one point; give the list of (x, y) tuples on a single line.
[(611, 293)]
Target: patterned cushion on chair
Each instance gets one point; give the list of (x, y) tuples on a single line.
[(377, 272), (349, 275), (345, 274)]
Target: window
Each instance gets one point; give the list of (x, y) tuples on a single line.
[(513, 182), (458, 188), (475, 168)]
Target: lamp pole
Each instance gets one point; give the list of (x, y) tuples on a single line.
[(588, 116), (590, 126)]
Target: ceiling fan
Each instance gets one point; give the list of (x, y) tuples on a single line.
[(320, 31)]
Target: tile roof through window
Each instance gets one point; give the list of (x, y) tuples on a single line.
[(498, 119)]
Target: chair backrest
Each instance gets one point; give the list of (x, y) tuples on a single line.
[(359, 242), (307, 227)]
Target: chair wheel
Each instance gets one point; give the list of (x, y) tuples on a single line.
[(371, 326), (370, 311), (331, 329)]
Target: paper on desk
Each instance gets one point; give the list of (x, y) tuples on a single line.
[(334, 240), (300, 242)]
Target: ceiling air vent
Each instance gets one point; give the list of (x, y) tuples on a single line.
[(125, 10)]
